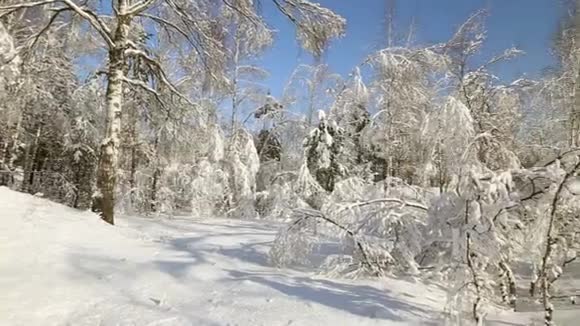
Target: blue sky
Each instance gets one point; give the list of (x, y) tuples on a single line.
[(527, 24)]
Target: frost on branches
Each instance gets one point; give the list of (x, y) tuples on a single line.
[(350, 111), (361, 229), (9, 58), (490, 222), (469, 241), (316, 25), (448, 134), (225, 181), (242, 163)]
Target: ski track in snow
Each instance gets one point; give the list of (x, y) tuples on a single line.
[(60, 266)]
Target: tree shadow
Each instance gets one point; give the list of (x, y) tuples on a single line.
[(495, 322), (183, 253), (357, 299), (183, 225), (249, 253)]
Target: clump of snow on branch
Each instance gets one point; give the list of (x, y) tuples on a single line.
[(315, 25)]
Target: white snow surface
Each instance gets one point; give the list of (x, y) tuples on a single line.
[(61, 266)]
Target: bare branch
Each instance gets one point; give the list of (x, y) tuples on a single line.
[(245, 14), (138, 7), (94, 20), (156, 68), (16, 7), (36, 37), (27, 5), (147, 88), (308, 213), (164, 23), (388, 200), (316, 25), (87, 14)]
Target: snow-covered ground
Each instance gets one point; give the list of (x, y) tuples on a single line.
[(59, 266)]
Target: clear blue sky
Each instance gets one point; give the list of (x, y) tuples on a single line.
[(527, 24)]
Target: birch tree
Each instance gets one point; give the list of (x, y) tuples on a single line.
[(312, 88), (476, 88), (246, 39)]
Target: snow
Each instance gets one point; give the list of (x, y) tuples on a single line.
[(61, 266)]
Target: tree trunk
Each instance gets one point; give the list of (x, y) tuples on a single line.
[(104, 199), (575, 112), (154, 182), (508, 284), (30, 162), (235, 83), (311, 105), (132, 178), (155, 179), (9, 154), (134, 158)]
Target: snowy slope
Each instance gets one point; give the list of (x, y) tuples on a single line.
[(59, 266)]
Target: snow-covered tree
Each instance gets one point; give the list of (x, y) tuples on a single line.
[(247, 36), (476, 87), (448, 137), (323, 147), (350, 110), (404, 86), (375, 229), (82, 138), (312, 88)]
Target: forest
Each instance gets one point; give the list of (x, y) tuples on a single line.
[(421, 162)]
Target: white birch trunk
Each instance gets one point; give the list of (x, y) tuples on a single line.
[(104, 199)]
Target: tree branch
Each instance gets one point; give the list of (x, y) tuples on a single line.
[(87, 14), (306, 213), (148, 89), (388, 200), (159, 72), (94, 20), (165, 23), (27, 5), (36, 37), (14, 8), (138, 8)]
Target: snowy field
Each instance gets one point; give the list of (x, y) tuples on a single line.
[(60, 266)]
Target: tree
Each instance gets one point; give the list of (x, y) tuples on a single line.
[(189, 21), (81, 141), (560, 236), (38, 106), (246, 39), (9, 62), (376, 228), (448, 136), (350, 110), (322, 151), (312, 88), (562, 85), (475, 87), (405, 86)]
